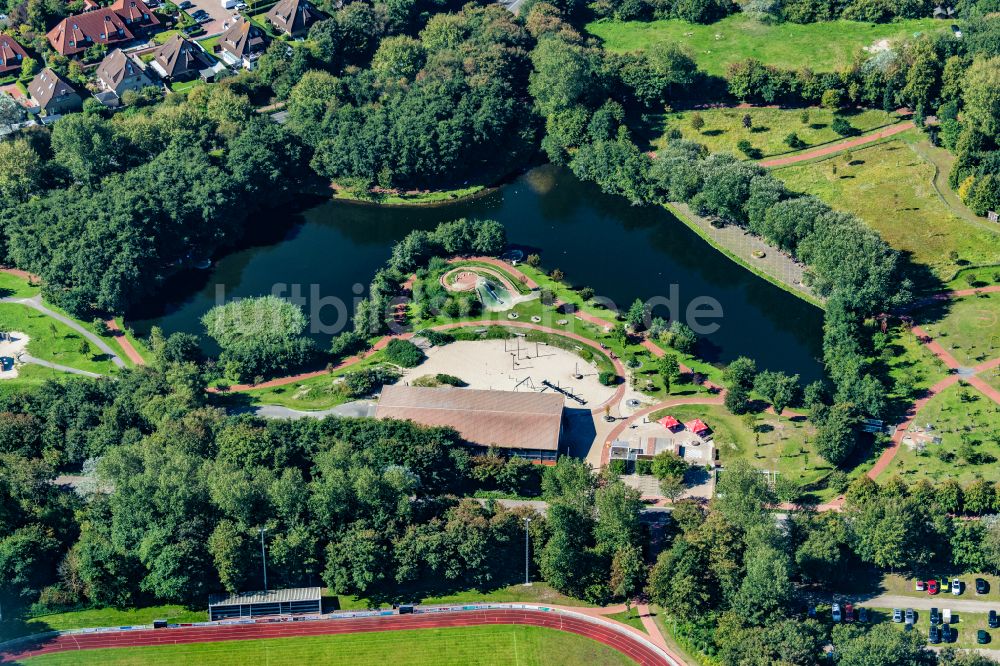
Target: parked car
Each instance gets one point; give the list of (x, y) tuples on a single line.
[(848, 613), (993, 620), (934, 635), (946, 616), (947, 633), (909, 616), (897, 615), (982, 587), (863, 615), (185, 4), (935, 616), (920, 585), (193, 30), (982, 637), (811, 611), (956, 587), (933, 587), (835, 611)]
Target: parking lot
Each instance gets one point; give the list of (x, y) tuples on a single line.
[(221, 18)]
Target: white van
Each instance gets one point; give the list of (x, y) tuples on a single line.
[(946, 616)]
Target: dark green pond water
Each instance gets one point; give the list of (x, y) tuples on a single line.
[(623, 252)]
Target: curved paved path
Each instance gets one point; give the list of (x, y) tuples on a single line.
[(626, 640), (354, 409), (35, 302), (28, 358), (839, 147), (619, 367)]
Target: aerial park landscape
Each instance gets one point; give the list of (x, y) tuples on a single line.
[(500, 333)]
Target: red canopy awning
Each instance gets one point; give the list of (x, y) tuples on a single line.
[(669, 422), (697, 426)]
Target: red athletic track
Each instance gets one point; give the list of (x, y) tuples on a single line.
[(631, 647)]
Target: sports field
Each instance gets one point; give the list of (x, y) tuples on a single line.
[(822, 47), (497, 645)]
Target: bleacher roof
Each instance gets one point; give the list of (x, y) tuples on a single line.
[(268, 597)]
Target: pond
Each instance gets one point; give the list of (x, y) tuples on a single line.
[(325, 255)]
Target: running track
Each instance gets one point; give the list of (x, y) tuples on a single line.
[(633, 647)]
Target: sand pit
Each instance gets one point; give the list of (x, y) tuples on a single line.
[(11, 347), (485, 364)]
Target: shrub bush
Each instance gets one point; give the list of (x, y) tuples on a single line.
[(403, 353), (608, 378)]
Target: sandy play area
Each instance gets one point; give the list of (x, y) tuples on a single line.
[(13, 344), (497, 365)]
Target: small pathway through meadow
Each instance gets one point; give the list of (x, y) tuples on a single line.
[(834, 148), (123, 342)]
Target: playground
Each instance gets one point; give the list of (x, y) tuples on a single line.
[(12, 345), (495, 290), (516, 364)]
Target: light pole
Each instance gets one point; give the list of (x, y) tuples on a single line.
[(527, 579), (263, 556)]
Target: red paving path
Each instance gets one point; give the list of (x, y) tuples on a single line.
[(633, 647), (838, 147), (123, 342)]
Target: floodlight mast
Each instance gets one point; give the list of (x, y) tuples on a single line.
[(527, 579)]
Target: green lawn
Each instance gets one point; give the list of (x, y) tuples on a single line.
[(913, 367), (785, 445), (164, 37), (890, 187), (969, 329), (975, 277), (210, 43), (493, 645), (182, 87), (631, 618), (976, 420), (724, 128), (51, 340), (12, 286), (822, 47), (99, 617)]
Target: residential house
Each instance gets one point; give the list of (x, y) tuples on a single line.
[(12, 55), (242, 44), (117, 74), (293, 17), (180, 59), (52, 94), (122, 22)]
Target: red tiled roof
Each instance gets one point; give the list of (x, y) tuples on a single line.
[(108, 25), (488, 418), (11, 54)]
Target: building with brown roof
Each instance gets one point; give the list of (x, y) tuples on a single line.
[(293, 17), (180, 59), (528, 424), (242, 44), (119, 72), (120, 23), (53, 94), (12, 55)]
